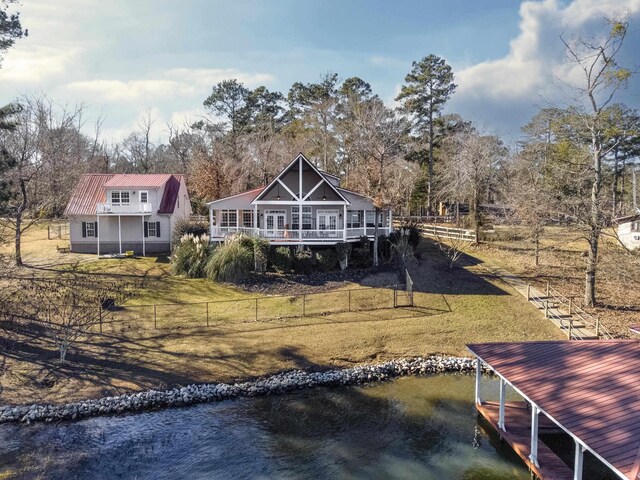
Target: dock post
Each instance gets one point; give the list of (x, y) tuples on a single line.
[(546, 309), (534, 435), (503, 385), (577, 466), (597, 326), (570, 327), (478, 376)]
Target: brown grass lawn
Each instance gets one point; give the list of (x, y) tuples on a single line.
[(562, 264), (453, 307)]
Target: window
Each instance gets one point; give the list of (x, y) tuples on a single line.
[(119, 197), (144, 197), (247, 218), (307, 219), (354, 219), (371, 216), (635, 226), (151, 229), (229, 218), (327, 219), (89, 229)]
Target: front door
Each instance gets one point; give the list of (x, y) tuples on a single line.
[(274, 223)]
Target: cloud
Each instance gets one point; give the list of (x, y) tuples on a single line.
[(179, 82), (528, 74), (36, 63)]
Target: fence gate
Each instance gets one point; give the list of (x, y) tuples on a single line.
[(403, 294)]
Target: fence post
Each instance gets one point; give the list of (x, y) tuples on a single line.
[(100, 316), (597, 327), (155, 317), (256, 309), (570, 305), (207, 304), (528, 292), (349, 300), (546, 309), (547, 288), (570, 327)]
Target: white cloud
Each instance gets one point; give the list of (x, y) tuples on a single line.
[(35, 63), (528, 74)]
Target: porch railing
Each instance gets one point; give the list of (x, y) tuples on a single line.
[(299, 235), (131, 208)]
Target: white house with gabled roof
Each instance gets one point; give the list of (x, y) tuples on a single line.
[(301, 206)]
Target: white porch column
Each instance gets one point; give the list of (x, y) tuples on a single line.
[(390, 221), (577, 466), (255, 220), (535, 411), (119, 236), (478, 377), (503, 385), (210, 222), (344, 223), (98, 234), (238, 220), (144, 252)]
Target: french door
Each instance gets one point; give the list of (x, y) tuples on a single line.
[(275, 221), (328, 220)]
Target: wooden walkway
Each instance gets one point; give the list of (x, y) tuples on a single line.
[(517, 421), (572, 325)]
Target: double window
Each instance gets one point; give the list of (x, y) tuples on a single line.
[(371, 214), (229, 218), (144, 197), (307, 219), (119, 197), (247, 218)]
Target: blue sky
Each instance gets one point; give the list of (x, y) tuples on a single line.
[(123, 58)]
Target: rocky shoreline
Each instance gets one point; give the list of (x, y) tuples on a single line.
[(211, 392)]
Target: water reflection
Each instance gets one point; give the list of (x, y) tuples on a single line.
[(412, 428)]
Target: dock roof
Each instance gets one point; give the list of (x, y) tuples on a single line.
[(589, 388)]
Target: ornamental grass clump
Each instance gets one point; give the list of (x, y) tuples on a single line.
[(191, 255), (232, 261)]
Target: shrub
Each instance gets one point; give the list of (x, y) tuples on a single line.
[(187, 227), (261, 249), (327, 259), (190, 255), (412, 230), (384, 247), (281, 259), (304, 261), (401, 249), (361, 254), (232, 261), (343, 251)]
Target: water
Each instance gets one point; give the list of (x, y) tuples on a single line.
[(420, 427)]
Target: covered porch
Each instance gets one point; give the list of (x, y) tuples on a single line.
[(322, 223)]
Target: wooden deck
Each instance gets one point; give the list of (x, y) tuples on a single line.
[(517, 419)]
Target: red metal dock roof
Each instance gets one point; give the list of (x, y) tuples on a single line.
[(591, 388)]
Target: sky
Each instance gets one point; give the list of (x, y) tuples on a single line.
[(124, 59)]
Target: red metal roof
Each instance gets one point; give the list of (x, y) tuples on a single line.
[(591, 388), (138, 180), (171, 190), (91, 188), (88, 192)]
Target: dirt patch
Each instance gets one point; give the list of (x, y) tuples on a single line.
[(296, 284)]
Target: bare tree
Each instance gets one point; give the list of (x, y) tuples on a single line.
[(602, 77), (378, 139)]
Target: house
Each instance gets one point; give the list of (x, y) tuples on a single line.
[(629, 230), (114, 213), (301, 206)]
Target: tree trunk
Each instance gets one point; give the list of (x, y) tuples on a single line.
[(536, 240), (17, 239), (594, 225), (614, 188), (430, 162)]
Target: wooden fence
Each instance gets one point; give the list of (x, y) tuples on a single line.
[(436, 231)]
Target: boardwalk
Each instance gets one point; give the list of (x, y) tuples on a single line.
[(574, 325)]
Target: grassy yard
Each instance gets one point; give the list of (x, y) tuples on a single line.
[(453, 307)]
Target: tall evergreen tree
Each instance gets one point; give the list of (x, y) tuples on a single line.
[(427, 88)]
